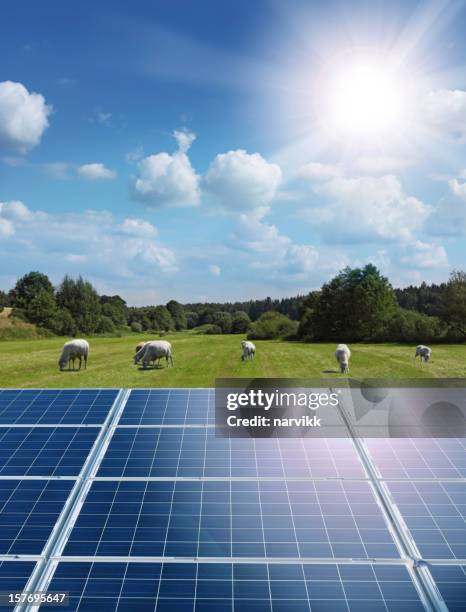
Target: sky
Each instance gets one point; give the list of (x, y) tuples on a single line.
[(220, 151)]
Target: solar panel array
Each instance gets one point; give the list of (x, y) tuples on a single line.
[(128, 501)]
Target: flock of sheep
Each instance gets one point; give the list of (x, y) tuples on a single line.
[(153, 351)]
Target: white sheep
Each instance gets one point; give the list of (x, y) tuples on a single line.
[(72, 350), (155, 349), (342, 355), (423, 352), (249, 350), (139, 347)]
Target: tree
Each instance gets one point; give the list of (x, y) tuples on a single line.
[(223, 320), (163, 319), (240, 322), (105, 325), (271, 325), (4, 299), (306, 324), (33, 294), (454, 303), (136, 327), (62, 323), (82, 301), (178, 314), (114, 307), (192, 319), (353, 306)]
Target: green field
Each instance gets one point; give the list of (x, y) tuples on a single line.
[(199, 359)]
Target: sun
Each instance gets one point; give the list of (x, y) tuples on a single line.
[(362, 100)]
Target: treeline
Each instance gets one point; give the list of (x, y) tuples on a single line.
[(358, 304)]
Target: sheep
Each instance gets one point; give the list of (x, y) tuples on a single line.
[(342, 355), (249, 350), (423, 352), (155, 349), (72, 350), (139, 347)]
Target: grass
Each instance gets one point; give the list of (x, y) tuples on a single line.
[(200, 359)]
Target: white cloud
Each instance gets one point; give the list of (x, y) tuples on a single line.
[(95, 172), (168, 180), (457, 188), (240, 181), (96, 241), (215, 270), (445, 110), (380, 164), (366, 209), (138, 227), (23, 117), (272, 251), (425, 255), (316, 171)]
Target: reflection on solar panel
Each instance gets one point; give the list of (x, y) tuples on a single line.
[(231, 519), (29, 510), (246, 587), (13, 578), (451, 581), (156, 452), (435, 514), (52, 406), (44, 451), (170, 407), (419, 458), (165, 516)]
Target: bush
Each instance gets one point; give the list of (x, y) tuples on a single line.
[(272, 325), (105, 325), (412, 326), (213, 329), (136, 327), (241, 322)]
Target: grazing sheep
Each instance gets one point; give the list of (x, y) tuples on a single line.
[(72, 350), (140, 346), (423, 352), (343, 355), (156, 349), (249, 350)]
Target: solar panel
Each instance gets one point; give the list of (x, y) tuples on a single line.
[(296, 519), (54, 406), (44, 451), (29, 510), (197, 452), (419, 458), (169, 407), (435, 514), (451, 582), (247, 587), (13, 577)]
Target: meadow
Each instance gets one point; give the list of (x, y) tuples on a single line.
[(200, 359)]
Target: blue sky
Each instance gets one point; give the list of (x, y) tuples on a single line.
[(233, 150)]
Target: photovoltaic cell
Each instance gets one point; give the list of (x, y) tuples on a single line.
[(295, 519), (197, 452), (435, 513), (44, 451), (401, 458), (54, 406), (13, 578), (244, 587), (169, 407), (29, 510), (451, 582)]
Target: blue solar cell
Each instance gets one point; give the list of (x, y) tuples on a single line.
[(44, 451), (169, 407), (13, 578), (295, 519), (451, 582), (29, 510), (435, 514), (54, 406), (197, 452), (401, 458), (224, 587)]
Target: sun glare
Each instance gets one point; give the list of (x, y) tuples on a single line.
[(362, 101)]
